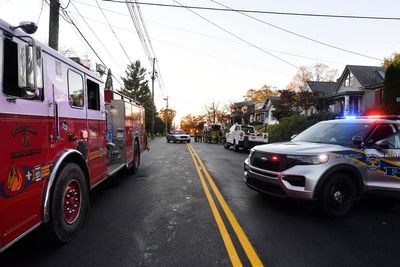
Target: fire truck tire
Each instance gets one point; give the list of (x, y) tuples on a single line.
[(69, 204), (136, 158), (337, 196)]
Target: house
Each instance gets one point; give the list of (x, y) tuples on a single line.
[(322, 92), (241, 112), (263, 111), (358, 89)]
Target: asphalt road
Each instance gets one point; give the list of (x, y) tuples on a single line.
[(162, 217)]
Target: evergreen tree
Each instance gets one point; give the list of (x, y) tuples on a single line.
[(136, 86), (109, 81), (391, 90)]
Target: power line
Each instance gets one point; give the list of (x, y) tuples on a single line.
[(161, 82), (68, 19), (240, 38), (260, 11), (208, 36), (112, 30), (94, 33), (300, 35)]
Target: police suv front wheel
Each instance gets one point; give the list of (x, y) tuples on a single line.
[(337, 196)]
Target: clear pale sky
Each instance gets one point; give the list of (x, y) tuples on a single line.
[(200, 63)]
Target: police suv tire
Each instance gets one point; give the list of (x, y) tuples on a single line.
[(337, 196), (62, 228)]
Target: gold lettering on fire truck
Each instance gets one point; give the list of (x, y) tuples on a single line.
[(24, 130)]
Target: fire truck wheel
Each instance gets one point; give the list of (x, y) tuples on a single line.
[(69, 203)]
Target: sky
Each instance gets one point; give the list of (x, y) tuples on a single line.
[(214, 56)]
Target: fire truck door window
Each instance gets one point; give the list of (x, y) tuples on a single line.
[(11, 69), (75, 89), (93, 95)]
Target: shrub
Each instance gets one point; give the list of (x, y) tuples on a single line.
[(294, 124)]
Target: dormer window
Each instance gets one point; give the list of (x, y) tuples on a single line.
[(349, 81)]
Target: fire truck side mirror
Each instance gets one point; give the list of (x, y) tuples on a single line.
[(30, 70)]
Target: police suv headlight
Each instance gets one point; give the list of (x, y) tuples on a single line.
[(308, 159)]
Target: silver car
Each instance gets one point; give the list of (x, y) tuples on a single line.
[(332, 162)]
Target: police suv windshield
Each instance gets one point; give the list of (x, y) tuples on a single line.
[(338, 133)]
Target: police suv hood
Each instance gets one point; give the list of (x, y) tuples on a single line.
[(300, 148)]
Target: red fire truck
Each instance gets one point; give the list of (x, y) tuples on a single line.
[(61, 135)]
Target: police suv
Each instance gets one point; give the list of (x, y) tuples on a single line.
[(332, 162)]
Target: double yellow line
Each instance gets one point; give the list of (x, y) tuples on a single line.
[(244, 241)]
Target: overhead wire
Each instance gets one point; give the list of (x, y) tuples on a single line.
[(297, 34), (68, 19), (157, 66), (261, 11), (95, 35), (206, 35), (240, 38), (144, 37), (112, 30)]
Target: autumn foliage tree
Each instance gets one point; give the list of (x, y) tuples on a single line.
[(393, 59), (292, 103), (318, 72), (261, 94), (167, 116), (193, 124)]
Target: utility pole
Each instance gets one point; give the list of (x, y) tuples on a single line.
[(166, 117), (152, 97), (54, 23)]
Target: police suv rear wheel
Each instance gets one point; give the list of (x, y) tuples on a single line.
[(337, 196)]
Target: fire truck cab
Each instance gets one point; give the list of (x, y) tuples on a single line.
[(61, 135)]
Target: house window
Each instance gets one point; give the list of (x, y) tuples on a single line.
[(349, 79)]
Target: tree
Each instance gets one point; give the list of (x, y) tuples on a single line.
[(193, 124), (391, 89), (136, 86), (261, 94), (318, 72), (292, 103), (109, 81), (167, 116), (393, 59)]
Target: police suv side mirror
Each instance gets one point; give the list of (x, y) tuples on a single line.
[(293, 136), (382, 144), (357, 140)]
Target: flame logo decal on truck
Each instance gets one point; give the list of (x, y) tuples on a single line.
[(15, 179)]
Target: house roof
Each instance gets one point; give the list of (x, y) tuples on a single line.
[(243, 103), (322, 88), (367, 76)]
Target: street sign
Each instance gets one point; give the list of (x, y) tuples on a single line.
[(397, 99)]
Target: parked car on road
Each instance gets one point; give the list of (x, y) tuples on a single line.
[(178, 136), (332, 163), (244, 136)]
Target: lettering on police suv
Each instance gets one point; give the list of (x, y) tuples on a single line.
[(392, 171)]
